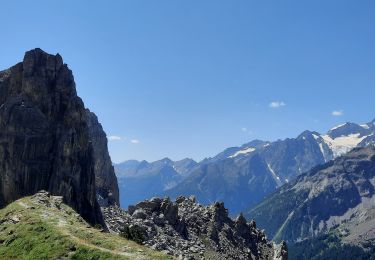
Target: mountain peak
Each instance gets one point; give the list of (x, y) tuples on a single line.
[(305, 134), (47, 139), (346, 129), (38, 58)]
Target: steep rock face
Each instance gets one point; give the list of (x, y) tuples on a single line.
[(105, 178), (191, 231), (44, 137)]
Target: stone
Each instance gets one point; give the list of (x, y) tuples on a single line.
[(45, 141), (105, 179), (139, 214), (188, 230), (170, 211)]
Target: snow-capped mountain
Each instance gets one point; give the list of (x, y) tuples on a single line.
[(336, 198), (337, 141), (343, 138), (242, 176)]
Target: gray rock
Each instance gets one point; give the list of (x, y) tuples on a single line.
[(45, 141), (139, 214), (190, 231), (105, 178)]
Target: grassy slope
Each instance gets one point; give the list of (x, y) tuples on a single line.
[(31, 230)]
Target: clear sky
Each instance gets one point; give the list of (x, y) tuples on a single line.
[(190, 78)]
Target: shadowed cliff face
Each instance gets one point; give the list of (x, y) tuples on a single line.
[(44, 135), (105, 178)]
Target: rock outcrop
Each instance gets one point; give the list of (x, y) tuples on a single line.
[(45, 139), (105, 177), (191, 231)]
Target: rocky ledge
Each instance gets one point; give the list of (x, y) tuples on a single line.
[(189, 230)]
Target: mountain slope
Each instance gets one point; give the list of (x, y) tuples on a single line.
[(337, 195), (238, 184), (42, 227), (142, 180), (230, 177)]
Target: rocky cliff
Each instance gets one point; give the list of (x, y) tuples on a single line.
[(44, 135), (189, 230), (105, 178)]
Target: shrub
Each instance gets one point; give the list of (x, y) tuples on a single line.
[(135, 233)]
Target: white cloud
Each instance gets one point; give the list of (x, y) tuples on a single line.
[(337, 113), (134, 141), (246, 130), (114, 138), (277, 104)]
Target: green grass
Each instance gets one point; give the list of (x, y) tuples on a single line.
[(29, 230)]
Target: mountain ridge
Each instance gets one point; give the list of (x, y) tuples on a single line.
[(321, 199), (282, 160)]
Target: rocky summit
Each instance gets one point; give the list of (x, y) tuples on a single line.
[(189, 230), (45, 137)]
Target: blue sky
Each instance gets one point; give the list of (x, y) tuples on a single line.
[(190, 78)]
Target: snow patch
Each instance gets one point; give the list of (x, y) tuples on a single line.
[(244, 151), (316, 137), (276, 178), (343, 144), (320, 141), (336, 127), (365, 126), (322, 150)]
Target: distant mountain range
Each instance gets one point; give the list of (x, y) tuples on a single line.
[(334, 202), (139, 180), (240, 176)]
